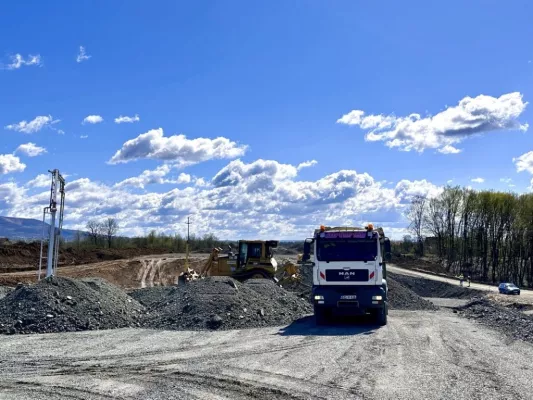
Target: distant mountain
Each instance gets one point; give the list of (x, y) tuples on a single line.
[(27, 229)]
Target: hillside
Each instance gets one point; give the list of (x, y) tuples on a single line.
[(26, 229)]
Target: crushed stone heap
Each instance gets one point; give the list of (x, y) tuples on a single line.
[(221, 303), (60, 304)]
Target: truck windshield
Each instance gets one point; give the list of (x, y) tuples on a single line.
[(347, 250)]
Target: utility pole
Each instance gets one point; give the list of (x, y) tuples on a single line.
[(54, 233), (187, 245)]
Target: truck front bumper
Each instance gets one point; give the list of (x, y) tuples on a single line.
[(349, 300)]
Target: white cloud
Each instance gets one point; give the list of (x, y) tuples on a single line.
[(183, 178), (123, 119), (448, 149), (10, 163), (260, 172), (261, 199), (30, 149), (82, 55), (178, 149), (84, 136), (471, 116), (449, 181), (18, 61), (506, 180), (307, 164), (477, 180), (40, 181), (524, 162), (407, 190), (34, 125), (92, 119), (156, 176)]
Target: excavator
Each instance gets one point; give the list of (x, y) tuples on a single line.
[(254, 260)]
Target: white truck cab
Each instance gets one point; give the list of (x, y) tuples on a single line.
[(349, 271)]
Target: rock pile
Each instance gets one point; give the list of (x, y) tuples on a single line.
[(403, 298), (4, 291), (63, 304), (431, 288), (221, 303), (512, 323)]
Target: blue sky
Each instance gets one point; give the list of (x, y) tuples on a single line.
[(273, 80)]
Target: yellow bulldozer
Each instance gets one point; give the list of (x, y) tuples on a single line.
[(254, 260)]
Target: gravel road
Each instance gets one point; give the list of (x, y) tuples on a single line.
[(419, 355), (524, 293)]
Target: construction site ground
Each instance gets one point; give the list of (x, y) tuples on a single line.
[(442, 341)]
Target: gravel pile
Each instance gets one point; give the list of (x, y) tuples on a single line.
[(403, 298), (4, 291), (221, 303), (430, 288), (512, 323), (63, 304)]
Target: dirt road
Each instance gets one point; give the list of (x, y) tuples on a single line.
[(419, 355), (524, 294)]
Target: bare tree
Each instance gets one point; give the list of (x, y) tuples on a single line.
[(416, 213), (110, 228), (93, 228)]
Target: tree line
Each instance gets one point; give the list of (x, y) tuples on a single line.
[(104, 234), (486, 234)]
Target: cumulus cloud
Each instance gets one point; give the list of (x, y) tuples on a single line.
[(30, 149), (407, 190), (442, 131), (92, 119), (40, 181), (506, 180), (178, 149), (82, 55), (524, 162), (477, 180), (307, 164), (260, 172), (34, 125), (121, 119), (261, 199), (18, 61), (84, 136), (10, 163), (156, 176), (448, 149)]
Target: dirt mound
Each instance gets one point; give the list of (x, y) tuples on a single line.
[(430, 288), (403, 298), (4, 291), (221, 303), (514, 324), (63, 304), (21, 256)]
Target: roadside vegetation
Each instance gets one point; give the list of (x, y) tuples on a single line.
[(485, 234)]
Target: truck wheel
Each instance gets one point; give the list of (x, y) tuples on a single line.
[(381, 316), (321, 316)]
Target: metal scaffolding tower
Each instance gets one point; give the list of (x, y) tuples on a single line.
[(53, 233)]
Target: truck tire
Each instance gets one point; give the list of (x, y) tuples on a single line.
[(381, 315), (321, 316)]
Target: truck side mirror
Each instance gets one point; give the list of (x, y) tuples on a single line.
[(307, 250), (387, 248)]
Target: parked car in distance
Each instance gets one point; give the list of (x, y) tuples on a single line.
[(508, 288)]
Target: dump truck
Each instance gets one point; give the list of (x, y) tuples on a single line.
[(349, 272), (254, 260)]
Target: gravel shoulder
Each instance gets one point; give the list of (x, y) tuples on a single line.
[(419, 355)]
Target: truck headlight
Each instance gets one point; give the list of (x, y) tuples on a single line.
[(318, 297), (377, 297)]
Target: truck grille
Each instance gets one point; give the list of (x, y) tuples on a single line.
[(340, 275)]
